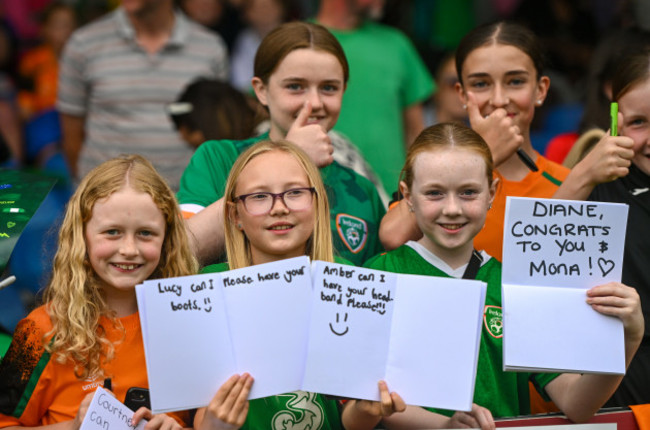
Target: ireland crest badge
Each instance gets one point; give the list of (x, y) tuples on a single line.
[(353, 231)]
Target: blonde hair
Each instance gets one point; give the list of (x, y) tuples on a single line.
[(73, 298), (318, 247)]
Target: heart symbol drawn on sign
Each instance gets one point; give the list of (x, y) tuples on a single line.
[(11, 224), (606, 266)]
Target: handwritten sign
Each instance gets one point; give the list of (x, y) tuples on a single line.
[(553, 251), (330, 328), (187, 340), (200, 330), (351, 318), (107, 413), (369, 325), (563, 243)]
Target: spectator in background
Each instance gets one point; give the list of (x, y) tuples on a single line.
[(212, 110), (220, 16), (382, 108), (10, 123), (444, 105), (261, 16), (612, 47), (117, 76), (39, 67), (209, 109)]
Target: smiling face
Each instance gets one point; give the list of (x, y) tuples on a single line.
[(450, 196), (503, 76), (635, 108), (303, 75), (281, 233), (124, 239)]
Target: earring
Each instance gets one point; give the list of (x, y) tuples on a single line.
[(239, 226), (538, 102), (465, 107), (411, 209), (490, 207)]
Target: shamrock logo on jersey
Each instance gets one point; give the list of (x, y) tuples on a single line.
[(493, 320), (303, 413), (353, 231)]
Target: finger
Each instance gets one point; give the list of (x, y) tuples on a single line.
[(484, 418), (610, 301), (141, 413), (610, 289), (624, 142), (399, 405), (303, 115), (168, 423), (224, 390), (155, 422), (385, 400), (241, 419), (468, 420), (229, 402), (241, 401), (473, 111)]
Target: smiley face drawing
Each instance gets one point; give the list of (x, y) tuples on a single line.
[(340, 333)]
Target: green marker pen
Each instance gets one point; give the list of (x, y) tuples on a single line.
[(613, 111)]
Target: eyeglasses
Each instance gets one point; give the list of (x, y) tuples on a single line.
[(295, 199)]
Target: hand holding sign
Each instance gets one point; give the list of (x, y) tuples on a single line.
[(620, 301), (389, 403), (158, 421), (478, 417), (82, 411), (102, 411), (557, 255), (229, 407)]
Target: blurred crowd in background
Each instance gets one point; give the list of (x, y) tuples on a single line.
[(582, 39)]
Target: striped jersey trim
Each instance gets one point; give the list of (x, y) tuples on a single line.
[(551, 178), (31, 385)]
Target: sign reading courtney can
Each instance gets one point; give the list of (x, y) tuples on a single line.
[(555, 250), (107, 413)]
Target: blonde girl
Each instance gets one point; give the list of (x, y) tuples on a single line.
[(276, 208), (121, 226)]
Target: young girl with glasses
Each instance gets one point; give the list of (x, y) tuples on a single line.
[(276, 208)]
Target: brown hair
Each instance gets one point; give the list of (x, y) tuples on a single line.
[(633, 70), (442, 135), (501, 33), (291, 36)]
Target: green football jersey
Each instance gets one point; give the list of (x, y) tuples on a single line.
[(505, 394), (355, 207)]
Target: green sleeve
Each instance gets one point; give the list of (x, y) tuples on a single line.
[(541, 380), (204, 179), (419, 86)]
